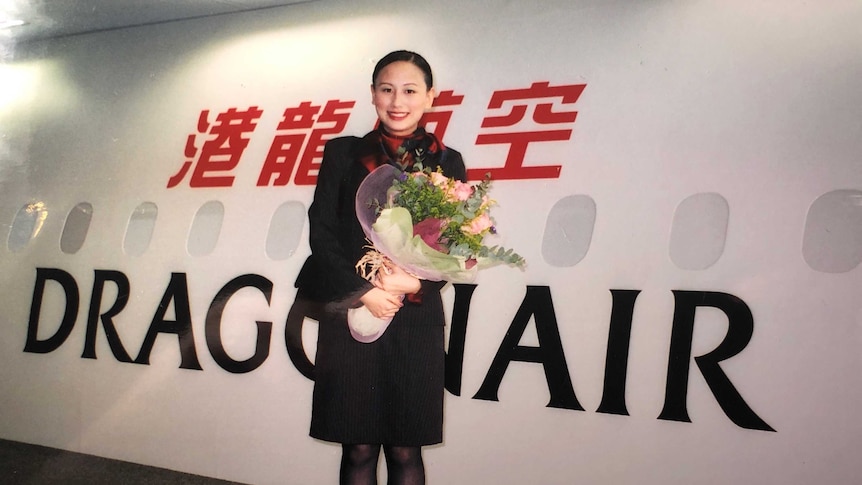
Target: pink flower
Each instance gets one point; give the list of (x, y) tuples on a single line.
[(439, 179), (479, 224), (461, 191), (430, 230)]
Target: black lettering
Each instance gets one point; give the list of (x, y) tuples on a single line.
[(537, 303), (617, 357), (177, 291), (739, 332), (213, 325), (70, 289), (93, 316), (302, 307), (458, 337)]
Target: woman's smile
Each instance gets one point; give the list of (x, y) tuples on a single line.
[(401, 97)]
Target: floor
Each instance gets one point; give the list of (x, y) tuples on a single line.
[(30, 464)]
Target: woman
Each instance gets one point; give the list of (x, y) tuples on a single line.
[(388, 393)]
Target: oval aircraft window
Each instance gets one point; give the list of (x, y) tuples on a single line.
[(568, 230), (699, 231), (832, 241), (76, 228), (206, 228), (26, 225), (139, 231), (285, 230)]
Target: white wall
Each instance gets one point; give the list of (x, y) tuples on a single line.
[(753, 105)]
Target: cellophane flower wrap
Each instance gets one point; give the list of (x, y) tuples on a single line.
[(428, 224)]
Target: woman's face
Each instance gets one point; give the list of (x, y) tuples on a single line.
[(401, 97)]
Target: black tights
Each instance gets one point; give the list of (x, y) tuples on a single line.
[(403, 464)]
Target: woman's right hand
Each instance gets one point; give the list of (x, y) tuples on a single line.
[(381, 303)]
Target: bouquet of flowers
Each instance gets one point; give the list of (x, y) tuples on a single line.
[(428, 224)]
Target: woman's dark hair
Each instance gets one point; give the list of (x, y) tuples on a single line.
[(406, 56)]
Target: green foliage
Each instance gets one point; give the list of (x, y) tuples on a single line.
[(423, 200), (429, 195)]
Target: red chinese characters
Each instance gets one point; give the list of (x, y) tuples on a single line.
[(516, 118), (287, 147), (220, 154), (437, 121), (553, 126)]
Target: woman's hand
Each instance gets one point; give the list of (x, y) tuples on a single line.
[(395, 280), (381, 303)]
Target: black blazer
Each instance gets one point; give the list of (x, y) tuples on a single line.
[(335, 236)]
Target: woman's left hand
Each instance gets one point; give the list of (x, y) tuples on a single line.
[(397, 281)]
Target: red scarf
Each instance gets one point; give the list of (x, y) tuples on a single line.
[(380, 147)]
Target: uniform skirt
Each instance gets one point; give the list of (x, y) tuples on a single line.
[(386, 392)]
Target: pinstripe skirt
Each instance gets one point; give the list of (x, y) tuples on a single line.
[(386, 392)]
